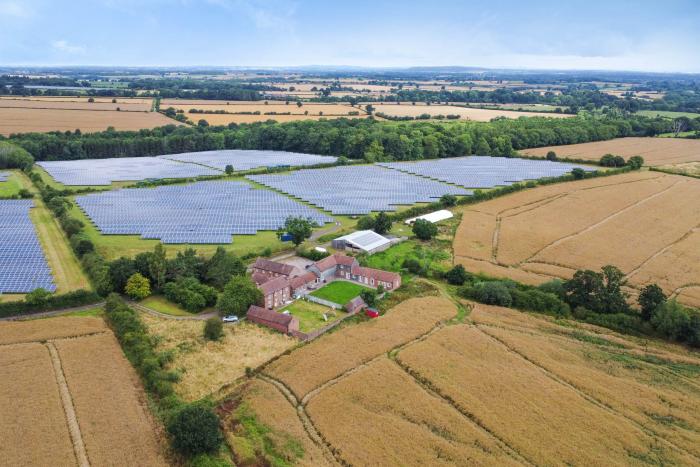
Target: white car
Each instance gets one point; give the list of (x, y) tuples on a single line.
[(230, 319)]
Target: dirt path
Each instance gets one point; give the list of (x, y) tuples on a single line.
[(68, 408), (158, 314), (47, 314)]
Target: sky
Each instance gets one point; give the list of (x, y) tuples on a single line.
[(661, 36)]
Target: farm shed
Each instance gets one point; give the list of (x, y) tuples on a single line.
[(272, 319), (433, 217), (355, 305), (365, 241)]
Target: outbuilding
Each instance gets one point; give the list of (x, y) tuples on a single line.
[(432, 217), (272, 319), (362, 241)]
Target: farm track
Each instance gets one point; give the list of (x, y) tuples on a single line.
[(593, 400), (158, 314), (663, 250), (48, 314), (601, 222), (68, 408)]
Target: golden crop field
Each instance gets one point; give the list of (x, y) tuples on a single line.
[(76, 105), (655, 151), (77, 399), (25, 120), (382, 402), (206, 366), (79, 99), (535, 235), (332, 355), (478, 115), (225, 119)]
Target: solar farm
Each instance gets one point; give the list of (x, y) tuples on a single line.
[(358, 189), (23, 266), (4, 176), (484, 171), (106, 171), (203, 212), (246, 160)]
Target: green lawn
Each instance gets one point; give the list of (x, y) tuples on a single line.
[(89, 312), (11, 187), (161, 304), (340, 292), (667, 114), (311, 314)]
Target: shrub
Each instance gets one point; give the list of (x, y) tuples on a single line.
[(672, 320), (448, 200), (137, 287), (636, 162), (457, 275), (551, 156), (369, 297), (213, 329), (195, 430), (490, 293), (190, 293), (238, 295), (536, 300), (424, 230), (412, 265), (38, 297), (365, 223), (578, 173)]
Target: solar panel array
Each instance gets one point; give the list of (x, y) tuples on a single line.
[(247, 160), (106, 171), (4, 176), (202, 212), (23, 266), (484, 171), (357, 189)]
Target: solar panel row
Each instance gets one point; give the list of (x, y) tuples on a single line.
[(357, 189), (202, 212), (23, 266), (190, 164), (4, 176), (483, 171)]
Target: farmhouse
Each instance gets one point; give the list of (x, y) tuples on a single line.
[(279, 321), (273, 269), (363, 241), (432, 217), (340, 266), (276, 292)]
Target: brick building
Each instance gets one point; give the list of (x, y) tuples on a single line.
[(279, 321)]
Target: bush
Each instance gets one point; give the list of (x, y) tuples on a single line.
[(578, 173), (649, 300), (533, 299), (424, 230), (238, 295), (195, 430), (412, 265), (672, 320), (457, 275), (490, 293), (213, 329), (610, 160), (448, 200), (369, 297), (50, 302), (636, 162), (38, 297), (551, 156), (190, 293), (365, 223), (137, 287)]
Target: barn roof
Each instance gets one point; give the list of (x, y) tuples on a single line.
[(269, 316), (273, 285), (367, 240), (273, 266)]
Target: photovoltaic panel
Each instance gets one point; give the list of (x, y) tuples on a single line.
[(248, 159), (202, 212), (4, 176), (357, 189), (23, 266), (484, 171), (107, 171)]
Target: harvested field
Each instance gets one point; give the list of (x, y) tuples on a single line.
[(689, 168), (409, 426), (478, 115), (39, 330), (552, 231), (109, 402), (33, 428), (23, 120), (543, 418), (333, 354), (225, 119), (74, 398), (272, 106), (206, 366), (277, 414), (75, 105), (121, 100), (655, 151)]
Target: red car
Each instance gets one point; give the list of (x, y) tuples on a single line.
[(371, 313)]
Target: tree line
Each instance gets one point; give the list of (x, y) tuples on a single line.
[(354, 138)]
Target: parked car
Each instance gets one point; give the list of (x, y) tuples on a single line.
[(230, 319)]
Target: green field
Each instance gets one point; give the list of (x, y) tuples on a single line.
[(162, 305), (11, 187), (310, 314), (682, 134), (667, 114), (340, 292)]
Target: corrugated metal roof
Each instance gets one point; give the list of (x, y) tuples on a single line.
[(365, 239), (433, 217)]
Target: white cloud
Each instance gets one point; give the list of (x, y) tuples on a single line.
[(14, 10), (66, 47), (270, 15)]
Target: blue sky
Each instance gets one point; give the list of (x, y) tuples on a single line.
[(620, 35)]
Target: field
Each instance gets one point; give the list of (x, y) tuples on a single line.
[(339, 291), (11, 187), (311, 314), (206, 366), (689, 168), (26, 120), (503, 388), (478, 115), (667, 114), (535, 235), (124, 105), (163, 305), (655, 151), (73, 410)]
